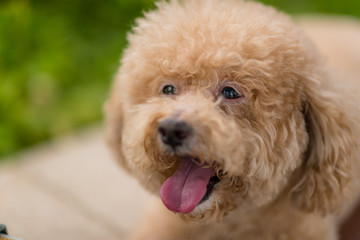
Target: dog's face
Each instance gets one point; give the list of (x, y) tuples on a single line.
[(211, 110)]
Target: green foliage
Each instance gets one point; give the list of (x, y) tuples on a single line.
[(348, 7), (57, 59)]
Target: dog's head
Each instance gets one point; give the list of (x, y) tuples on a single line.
[(222, 104)]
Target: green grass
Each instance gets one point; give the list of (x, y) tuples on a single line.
[(57, 59)]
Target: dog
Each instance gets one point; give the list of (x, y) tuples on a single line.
[(225, 110)]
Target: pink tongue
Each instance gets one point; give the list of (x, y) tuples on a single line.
[(183, 191)]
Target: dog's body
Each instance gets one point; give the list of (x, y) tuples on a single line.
[(224, 109)]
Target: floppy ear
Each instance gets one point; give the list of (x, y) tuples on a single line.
[(114, 124), (325, 176)]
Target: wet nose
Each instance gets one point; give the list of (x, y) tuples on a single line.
[(174, 132)]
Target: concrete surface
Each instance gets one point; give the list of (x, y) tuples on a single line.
[(69, 189)]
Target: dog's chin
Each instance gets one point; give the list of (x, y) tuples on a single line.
[(212, 209)]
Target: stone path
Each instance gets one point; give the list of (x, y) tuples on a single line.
[(69, 189)]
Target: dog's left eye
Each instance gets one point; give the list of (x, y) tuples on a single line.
[(169, 90), (230, 93)]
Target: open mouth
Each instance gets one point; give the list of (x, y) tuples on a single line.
[(209, 188), (191, 185)]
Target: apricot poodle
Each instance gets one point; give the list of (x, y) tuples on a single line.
[(224, 109)]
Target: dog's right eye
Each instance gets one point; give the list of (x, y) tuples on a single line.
[(169, 90)]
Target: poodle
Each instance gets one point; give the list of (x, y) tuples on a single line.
[(223, 109)]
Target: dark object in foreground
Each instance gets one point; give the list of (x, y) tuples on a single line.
[(3, 229), (4, 232), (350, 229)]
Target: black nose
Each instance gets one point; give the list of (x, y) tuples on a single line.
[(174, 132)]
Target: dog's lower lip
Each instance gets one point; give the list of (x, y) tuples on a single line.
[(212, 182)]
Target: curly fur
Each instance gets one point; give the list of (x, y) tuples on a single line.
[(287, 149)]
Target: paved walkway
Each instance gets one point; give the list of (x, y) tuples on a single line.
[(69, 189)]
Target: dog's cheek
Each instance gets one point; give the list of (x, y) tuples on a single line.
[(141, 165), (219, 138), (269, 167), (133, 135)]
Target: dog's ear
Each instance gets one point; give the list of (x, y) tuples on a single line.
[(114, 124), (325, 176)]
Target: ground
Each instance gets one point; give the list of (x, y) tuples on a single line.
[(69, 189)]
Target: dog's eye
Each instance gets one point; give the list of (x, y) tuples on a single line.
[(230, 93), (169, 90)]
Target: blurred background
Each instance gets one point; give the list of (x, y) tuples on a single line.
[(58, 57), (57, 61)]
